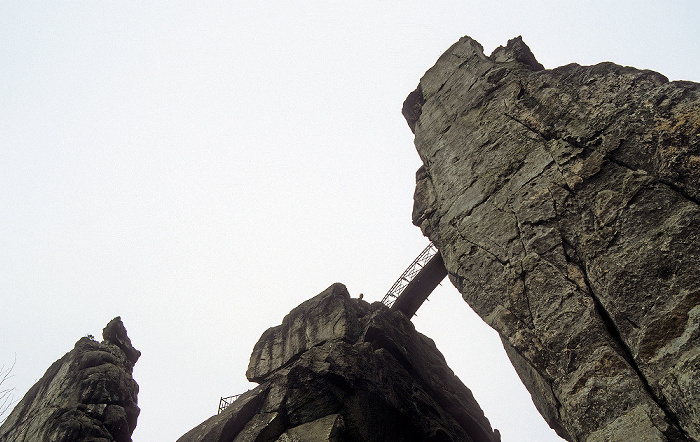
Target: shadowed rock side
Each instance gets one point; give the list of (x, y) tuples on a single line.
[(87, 395), (340, 369), (564, 203)]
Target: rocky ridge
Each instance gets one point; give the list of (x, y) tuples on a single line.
[(564, 203), (340, 369), (87, 395)]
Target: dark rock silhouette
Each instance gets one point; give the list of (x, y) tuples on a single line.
[(340, 369), (564, 203), (87, 395)]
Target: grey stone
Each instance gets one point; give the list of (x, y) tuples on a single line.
[(315, 321), (87, 395), (564, 203), (115, 333), (350, 371)]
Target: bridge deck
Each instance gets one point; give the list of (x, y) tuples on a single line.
[(417, 282)]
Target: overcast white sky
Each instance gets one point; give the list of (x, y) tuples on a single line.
[(200, 168)]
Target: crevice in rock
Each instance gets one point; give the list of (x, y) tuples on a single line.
[(527, 126), (585, 144), (679, 191), (616, 336), (526, 295), (634, 324), (461, 65), (522, 269), (291, 361), (476, 205), (479, 246)]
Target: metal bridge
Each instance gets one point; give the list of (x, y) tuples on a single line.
[(416, 283)]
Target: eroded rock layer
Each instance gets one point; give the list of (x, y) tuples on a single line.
[(565, 205), (87, 395), (340, 369)]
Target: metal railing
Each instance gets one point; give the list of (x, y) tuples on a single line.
[(226, 401), (412, 270)]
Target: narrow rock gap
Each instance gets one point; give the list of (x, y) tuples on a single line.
[(522, 269), (526, 126), (634, 324), (526, 296), (478, 203), (614, 333), (479, 246), (531, 321), (610, 157), (464, 63)]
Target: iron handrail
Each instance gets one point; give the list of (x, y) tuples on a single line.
[(226, 401), (409, 274)]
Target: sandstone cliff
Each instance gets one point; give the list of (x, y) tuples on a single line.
[(565, 205), (340, 369), (87, 395)]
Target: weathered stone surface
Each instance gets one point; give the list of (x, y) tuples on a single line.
[(325, 429), (315, 321), (564, 203), (87, 395), (115, 333), (351, 371)]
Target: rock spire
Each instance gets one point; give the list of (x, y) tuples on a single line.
[(564, 203), (87, 395)]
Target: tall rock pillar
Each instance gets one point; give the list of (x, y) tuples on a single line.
[(564, 203), (87, 395)]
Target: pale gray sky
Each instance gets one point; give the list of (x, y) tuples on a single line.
[(200, 168)]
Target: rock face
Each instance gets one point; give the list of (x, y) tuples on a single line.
[(340, 369), (87, 395), (565, 205)]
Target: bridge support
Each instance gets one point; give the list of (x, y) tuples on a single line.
[(421, 286)]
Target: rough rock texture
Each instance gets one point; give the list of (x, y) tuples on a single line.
[(340, 369), (565, 205), (87, 395)]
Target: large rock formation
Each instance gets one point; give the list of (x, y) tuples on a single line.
[(565, 205), (340, 369), (87, 395)]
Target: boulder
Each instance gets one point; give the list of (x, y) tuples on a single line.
[(340, 369), (320, 319)]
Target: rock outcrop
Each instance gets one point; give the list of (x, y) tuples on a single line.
[(87, 395), (340, 369), (565, 205)]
